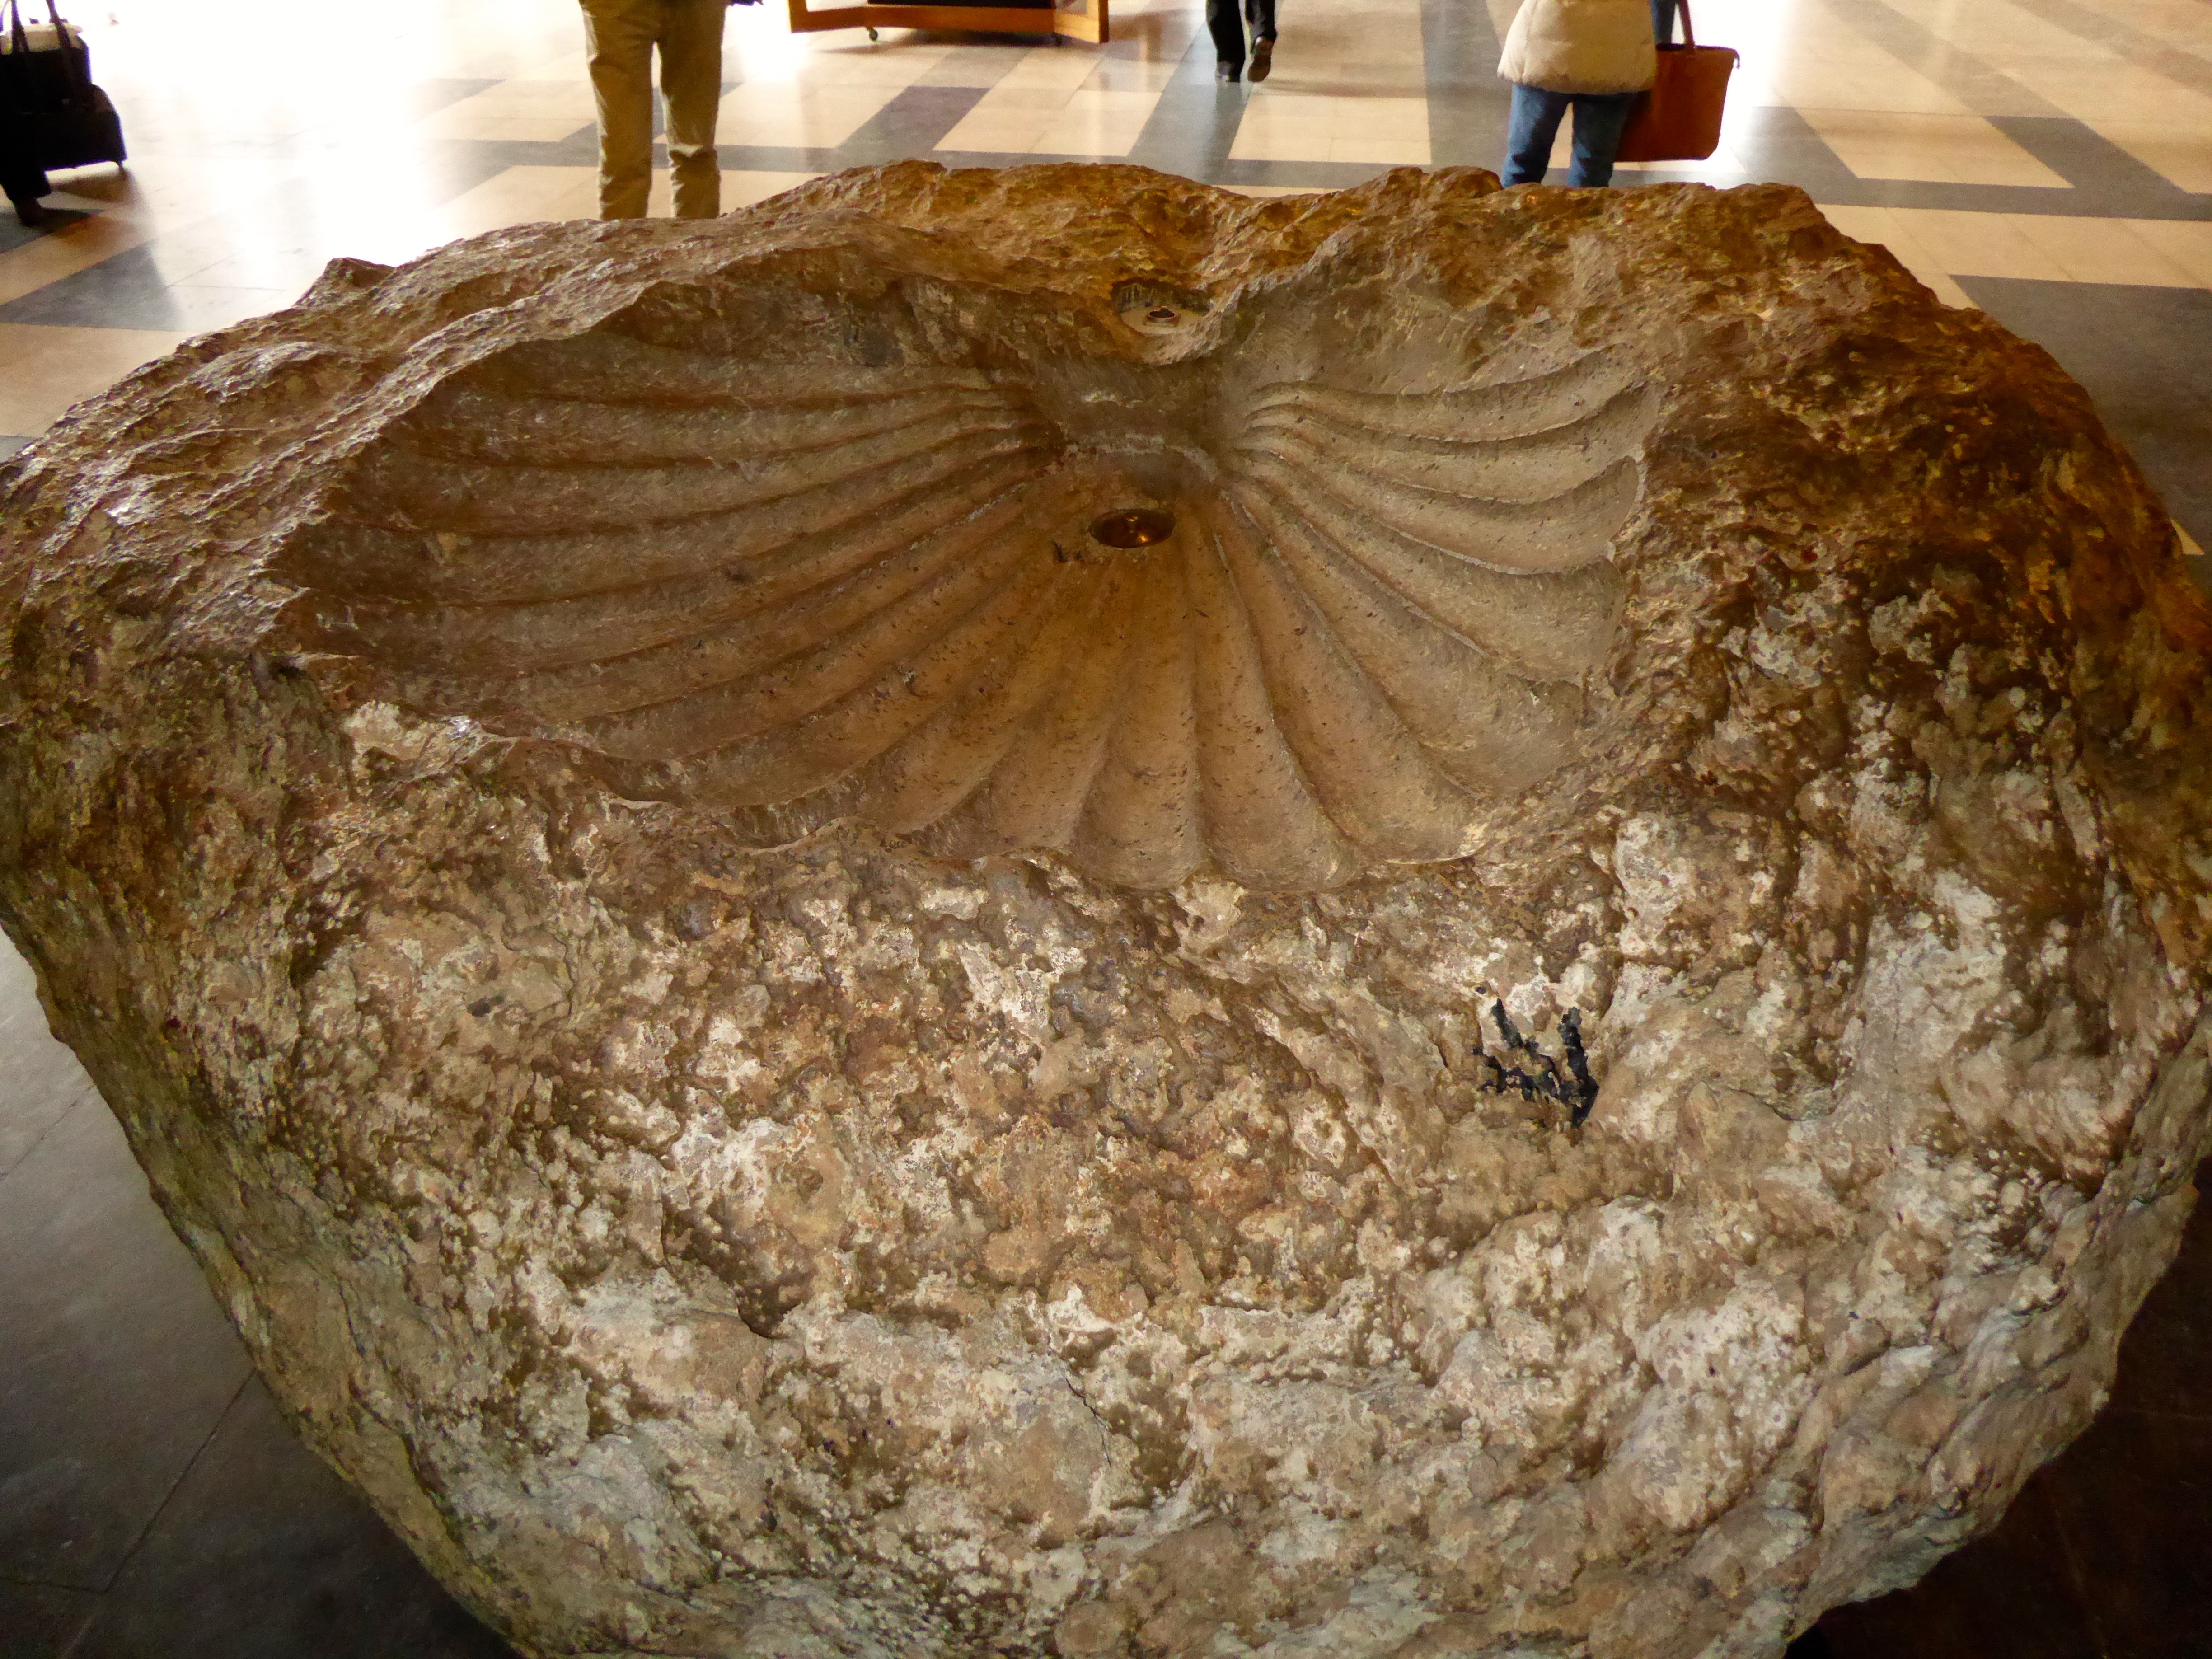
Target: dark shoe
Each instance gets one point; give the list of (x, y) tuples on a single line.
[(1263, 59), (1227, 72), (28, 210)]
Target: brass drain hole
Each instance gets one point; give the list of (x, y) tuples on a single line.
[(1133, 527)]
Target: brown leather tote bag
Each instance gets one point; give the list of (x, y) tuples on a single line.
[(1680, 118)]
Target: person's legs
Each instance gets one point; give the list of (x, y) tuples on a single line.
[(619, 40), (1662, 22), (1224, 23), (1261, 15), (24, 185), (691, 90), (1598, 118), (20, 177), (1534, 125)]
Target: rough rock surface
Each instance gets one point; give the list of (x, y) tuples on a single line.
[(744, 1136)]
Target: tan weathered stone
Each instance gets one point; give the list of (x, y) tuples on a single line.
[(781, 1050)]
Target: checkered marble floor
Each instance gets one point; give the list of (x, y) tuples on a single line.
[(2050, 160)]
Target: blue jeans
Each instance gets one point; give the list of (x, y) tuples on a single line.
[(1662, 22), (1599, 117)]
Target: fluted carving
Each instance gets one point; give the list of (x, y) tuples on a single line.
[(804, 591)]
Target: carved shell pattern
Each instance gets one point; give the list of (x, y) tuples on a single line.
[(801, 593)]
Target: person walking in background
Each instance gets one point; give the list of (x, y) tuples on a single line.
[(1226, 25), (1591, 56), (620, 36)]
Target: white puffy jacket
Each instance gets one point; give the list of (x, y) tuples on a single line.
[(1581, 46)]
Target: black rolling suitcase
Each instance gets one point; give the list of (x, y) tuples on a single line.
[(51, 115)]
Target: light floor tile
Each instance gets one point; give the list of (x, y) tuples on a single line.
[(532, 111), (1067, 67), (743, 189), (1291, 126), (64, 252), (2099, 251), (2187, 242), (1809, 56), (519, 196), (1379, 151), (2094, 91), (1962, 244), (2183, 23), (1353, 50), (1097, 123), (1136, 75), (858, 64), (971, 66), (1009, 95), (204, 208), (805, 116), (163, 192), (2180, 155), (1060, 101), (1881, 226), (572, 67), (1953, 150), (998, 133), (42, 371), (534, 195), (1994, 27), (2041, 247), (2082, 77)]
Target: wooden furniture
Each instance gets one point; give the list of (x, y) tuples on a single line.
[(1080, 20)]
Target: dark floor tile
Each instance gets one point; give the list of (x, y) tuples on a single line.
[(1779, 143), (1468, 103), (910, 124), (2123, 39), (2168, 1351), (128, 290), (2145, 355), (777, 158), (2089, 162), (1190, 135), (15, 233), (120, 1363), (1981, 86), (2008, 1596), (2134, 1497), (40, 1621), (2107, 1554), (264, 1554), (41, 1078)]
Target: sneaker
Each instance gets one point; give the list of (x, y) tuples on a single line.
[(1263, 59), (1227, 72)]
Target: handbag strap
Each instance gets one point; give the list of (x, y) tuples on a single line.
[(19, 39), (79, 73), (1689, 34)]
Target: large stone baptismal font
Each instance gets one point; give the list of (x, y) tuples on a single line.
[(1048, 912)]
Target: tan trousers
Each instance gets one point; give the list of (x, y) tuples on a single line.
[(620, 36)]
